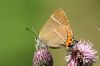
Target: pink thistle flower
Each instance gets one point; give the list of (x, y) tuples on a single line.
[(42, 56), (81, 54)]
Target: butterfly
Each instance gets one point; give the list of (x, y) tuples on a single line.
[(56, 32)]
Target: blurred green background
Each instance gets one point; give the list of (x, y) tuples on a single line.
[(17, 45)]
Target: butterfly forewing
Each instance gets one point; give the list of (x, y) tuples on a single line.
[(54, 31), (61, 17)]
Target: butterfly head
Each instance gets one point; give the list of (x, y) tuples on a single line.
[(40, 44)]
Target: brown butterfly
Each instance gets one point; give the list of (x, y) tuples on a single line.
[(56, 31)]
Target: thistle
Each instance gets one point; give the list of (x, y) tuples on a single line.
[(42, 56), (81, 54)]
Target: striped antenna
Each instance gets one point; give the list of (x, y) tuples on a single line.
[(32, 30)]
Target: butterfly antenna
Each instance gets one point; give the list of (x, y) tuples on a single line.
[(32, 31)]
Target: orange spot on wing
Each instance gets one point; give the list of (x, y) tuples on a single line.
[(69, 39)]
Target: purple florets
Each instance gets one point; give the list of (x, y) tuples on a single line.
[(81, 54), (42, 57)]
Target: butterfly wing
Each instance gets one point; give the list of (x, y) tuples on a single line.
[(54, 31)]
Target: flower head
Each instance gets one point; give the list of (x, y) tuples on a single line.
[(42, 57), (81, 54)]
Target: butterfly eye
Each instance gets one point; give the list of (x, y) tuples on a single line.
[(35, 39)]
